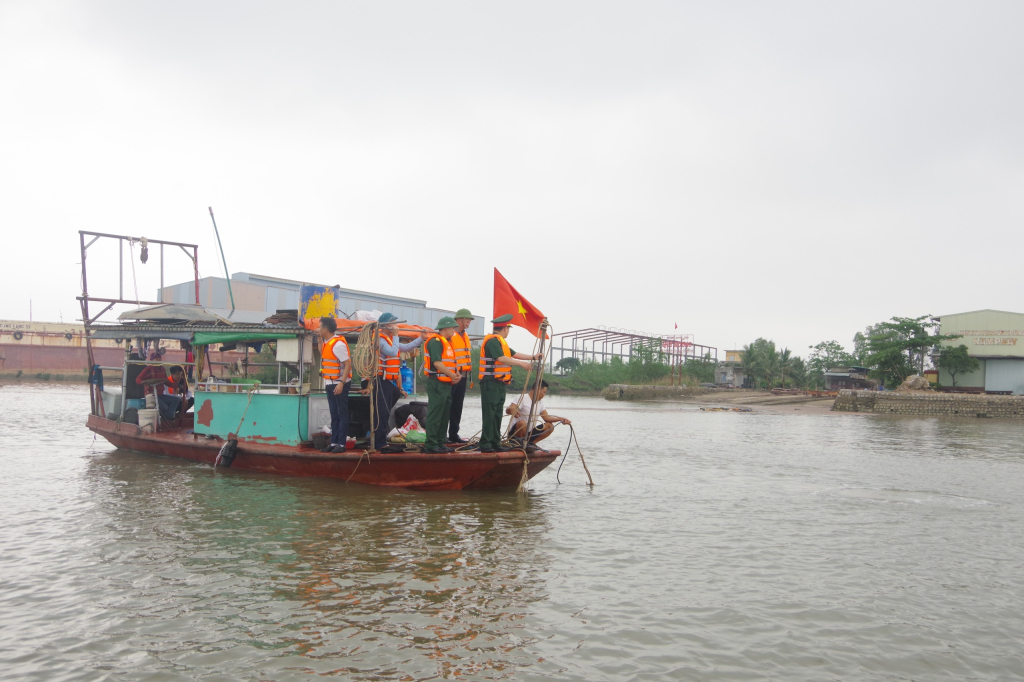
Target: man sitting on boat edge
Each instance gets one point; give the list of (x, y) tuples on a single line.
[(520, 413)]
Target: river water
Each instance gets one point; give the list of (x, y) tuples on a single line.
[(715, 546)]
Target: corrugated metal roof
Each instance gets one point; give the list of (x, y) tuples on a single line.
[(171, 312)]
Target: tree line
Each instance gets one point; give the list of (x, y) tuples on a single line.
[(891, 351)]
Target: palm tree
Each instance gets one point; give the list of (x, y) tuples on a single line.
[(785, 364), (751, 362), (761, 361), (770, 361)]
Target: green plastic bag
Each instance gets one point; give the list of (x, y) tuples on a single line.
[(415, 437)]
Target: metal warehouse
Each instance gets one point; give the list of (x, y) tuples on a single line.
[(996, 339), (269, 294)]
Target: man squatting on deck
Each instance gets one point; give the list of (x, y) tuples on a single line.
[(336, 368), (521, 413)]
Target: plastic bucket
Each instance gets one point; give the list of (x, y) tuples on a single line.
[(147, 420)]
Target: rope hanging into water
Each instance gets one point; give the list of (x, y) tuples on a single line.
[(573, 438)]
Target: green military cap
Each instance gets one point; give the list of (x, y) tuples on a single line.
[(502, 320), (387, 318), (464, 312), (446, 322)]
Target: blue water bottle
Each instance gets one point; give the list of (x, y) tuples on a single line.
[(406, 378)]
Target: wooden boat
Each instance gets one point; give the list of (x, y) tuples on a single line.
[(469, 470), (274, 423)]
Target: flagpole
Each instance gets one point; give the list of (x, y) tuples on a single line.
[(541, 337)]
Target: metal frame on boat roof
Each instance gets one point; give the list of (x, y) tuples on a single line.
[(185, 332), (87, 319)]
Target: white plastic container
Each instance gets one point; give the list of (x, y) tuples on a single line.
[(150, 400), (147, 420), (112, 403)]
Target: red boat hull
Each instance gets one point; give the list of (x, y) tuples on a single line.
[(471, 470)]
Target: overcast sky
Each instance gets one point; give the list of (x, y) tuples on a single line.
[(788, 170)]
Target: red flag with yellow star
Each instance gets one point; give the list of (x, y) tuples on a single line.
[(509, 301)]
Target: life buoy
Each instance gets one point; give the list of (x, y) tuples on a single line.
[(18, 336), (119, 341), (69, 336)]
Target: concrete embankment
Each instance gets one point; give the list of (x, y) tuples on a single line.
[(931, 403), (627, 392)]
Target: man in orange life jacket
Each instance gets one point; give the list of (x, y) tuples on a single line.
[(389, 376), (173, 393), (496, 363), (336, 369), (442, 372), (464, 360)]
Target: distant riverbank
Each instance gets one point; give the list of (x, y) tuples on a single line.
[(741, 397)]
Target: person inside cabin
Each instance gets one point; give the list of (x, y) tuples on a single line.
[(543, 423), (387, 383), (336, 369), (172, 392)]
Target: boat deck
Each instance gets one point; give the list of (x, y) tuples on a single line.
[(463, 470)]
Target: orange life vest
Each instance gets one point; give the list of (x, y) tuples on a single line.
[(447, 358), (390, 368), (489, 367), (171, 386), (463, 354), (330, 367)]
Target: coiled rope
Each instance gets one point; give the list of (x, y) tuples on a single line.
[(366, 363)]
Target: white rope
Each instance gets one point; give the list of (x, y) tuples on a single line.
[(131, 259)]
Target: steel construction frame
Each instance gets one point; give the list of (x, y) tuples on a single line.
[(583, 344)]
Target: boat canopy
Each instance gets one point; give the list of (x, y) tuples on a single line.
[(182, 313), (199, 335)]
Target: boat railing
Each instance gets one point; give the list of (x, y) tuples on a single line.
[(244, 386)]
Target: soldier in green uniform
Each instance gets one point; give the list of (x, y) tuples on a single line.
[(496, 363), (442, 372)]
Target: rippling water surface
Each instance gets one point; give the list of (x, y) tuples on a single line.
[(715, 546)]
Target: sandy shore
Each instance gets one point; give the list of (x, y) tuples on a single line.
[(765, 402)]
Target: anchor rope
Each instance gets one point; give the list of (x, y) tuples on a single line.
[(238, 430), (572, 439), (255, 386)]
